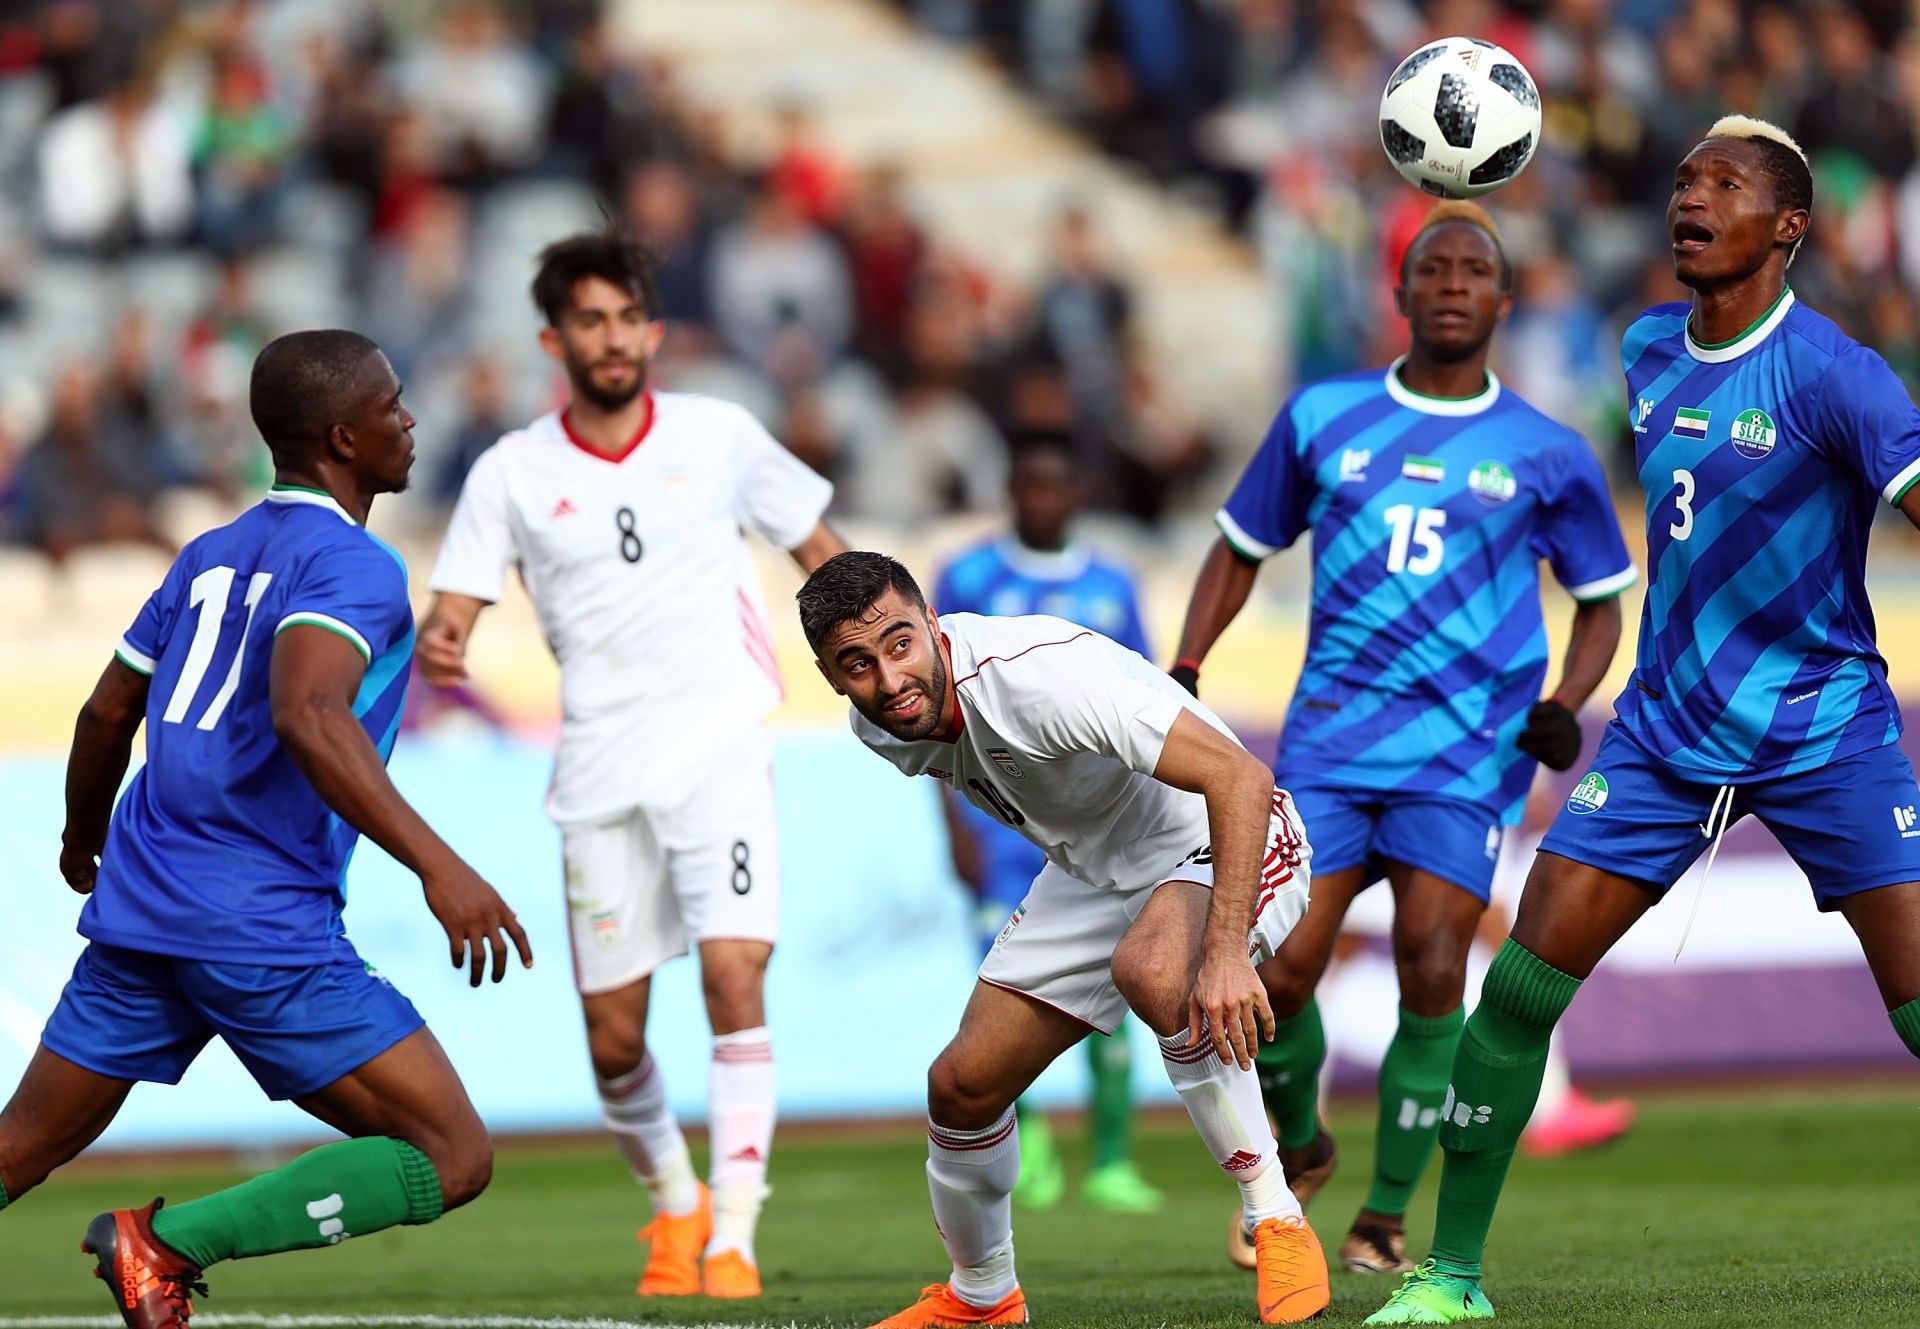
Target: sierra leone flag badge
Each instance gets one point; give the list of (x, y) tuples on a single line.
[(1430, 470), (1689, 422)]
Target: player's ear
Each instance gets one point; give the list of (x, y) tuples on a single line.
[(656, 333), (1400, 299), (1792, 228), (550, 343), (340, 443), (821, 665)]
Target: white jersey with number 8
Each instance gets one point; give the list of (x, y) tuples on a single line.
[(643, 586)]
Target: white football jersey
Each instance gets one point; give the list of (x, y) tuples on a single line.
[(643, 586), (1060, 730)]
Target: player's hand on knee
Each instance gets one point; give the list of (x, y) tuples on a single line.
[(477, 922), (1229, 1005)]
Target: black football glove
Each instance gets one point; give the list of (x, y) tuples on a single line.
[(1187, 677), (1552, 735)]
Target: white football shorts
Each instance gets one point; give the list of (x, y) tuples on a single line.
[(644, 884), (1058, 946)]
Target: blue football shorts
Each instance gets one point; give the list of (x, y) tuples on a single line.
[(134, 1015), (1850, 825), (1455, 840)]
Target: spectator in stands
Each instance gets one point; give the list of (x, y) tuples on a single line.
[(663, 208), (88, 479), (483, 96), (114, 172), (885, 249), (804, 171), (1081, 317), (781, 296), (240, 152), (486, 419)]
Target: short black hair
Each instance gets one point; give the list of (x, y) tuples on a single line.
[(846, 586), (1788, 173), (613, 256), (1040, 443), (303, 385)]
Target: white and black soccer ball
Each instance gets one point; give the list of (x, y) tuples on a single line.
[(1460, 117)]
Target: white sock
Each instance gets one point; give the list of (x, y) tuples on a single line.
[(1224, 1102), (970, 1175), (740, 1105), (634, 1108)]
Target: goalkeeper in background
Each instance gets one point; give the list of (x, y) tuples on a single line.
[(1432, 493), (1038, 568)]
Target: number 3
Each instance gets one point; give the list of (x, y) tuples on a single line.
[(1683, 529)]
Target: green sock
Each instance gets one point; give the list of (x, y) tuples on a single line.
[(3, 1193), (338, 1191), (1906, 1023), (1496, 1081), (1289, 1071), (1111, 1061), (1413, 1080)]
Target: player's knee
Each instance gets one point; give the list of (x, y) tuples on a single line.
[(1288, 991), (616, 1046), (1154, 980), (735, 996), (464, 1163), (1433, 976), (963, 1101)]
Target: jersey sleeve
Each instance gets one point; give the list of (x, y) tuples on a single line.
[(479, 546), (1267, 510), (357, 589), (1091, 703), (1870, 423), (780, 497), (140, 647), (1578, 533)]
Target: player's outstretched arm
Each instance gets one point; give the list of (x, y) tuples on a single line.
[(1238, 788), (440, 647), (821, 544), (102, 746), (1225, 580), (314, 675), (1552, 734)]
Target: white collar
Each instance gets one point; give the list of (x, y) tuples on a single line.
[(1722, 352), (1420, 401), (1062, 564), (311, 497)]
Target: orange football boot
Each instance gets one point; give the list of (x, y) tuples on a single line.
[(150, 1281), (1292, 1271), (729, 1274), (673, 1256), (938, 1306)]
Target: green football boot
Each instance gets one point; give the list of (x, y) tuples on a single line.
[(1043, 1178), (1119, 1188), (1427, 1296)]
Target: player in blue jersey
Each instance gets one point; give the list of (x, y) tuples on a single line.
[(1037, 568), (1766, 440), (269, 669), (1432, 493)]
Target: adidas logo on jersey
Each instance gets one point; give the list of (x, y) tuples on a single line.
[(564, 508)]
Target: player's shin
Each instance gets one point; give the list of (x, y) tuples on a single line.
[(1289, 1071), (741, 1104), (634, 1108), (1413, 1083), (970, 1175), (1906, 1023), (1224, 1102), (347, 1189), (1496, 1080)]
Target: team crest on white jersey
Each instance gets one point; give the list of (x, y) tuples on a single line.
[(1004, 760)]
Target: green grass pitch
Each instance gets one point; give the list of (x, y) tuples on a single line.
[(1732, 1207)]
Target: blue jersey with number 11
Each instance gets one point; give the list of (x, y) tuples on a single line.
[(1429, 519), (1763, 460), (220, 849)]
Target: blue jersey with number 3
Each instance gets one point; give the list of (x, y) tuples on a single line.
[(1429, 518), (1763, 459), (220, 848)]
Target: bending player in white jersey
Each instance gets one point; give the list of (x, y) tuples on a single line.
[(624, 512), (1173, 866)]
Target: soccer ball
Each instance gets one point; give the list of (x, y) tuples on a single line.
[(1460, 117)]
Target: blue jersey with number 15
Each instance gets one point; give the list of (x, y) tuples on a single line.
[(220, 848)]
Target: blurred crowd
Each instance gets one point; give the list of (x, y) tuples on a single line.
[(1268, 109), (195, 176)]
